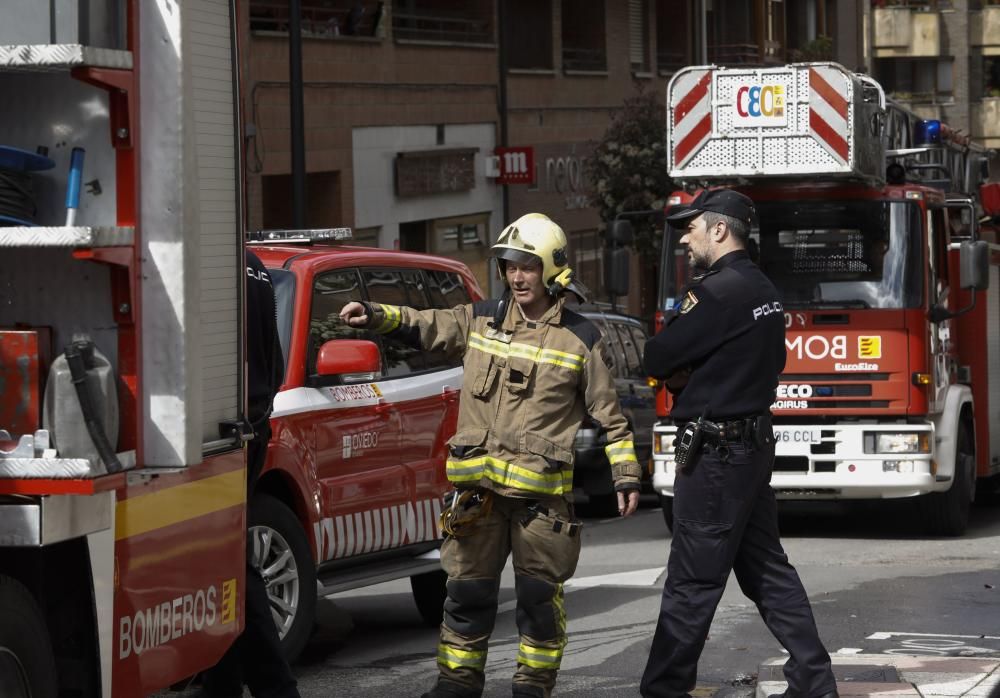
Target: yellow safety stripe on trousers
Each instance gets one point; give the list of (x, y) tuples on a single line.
[(539, 355), (509, 475), (454, 658), (393, 316), (621, 452), (539, 657)]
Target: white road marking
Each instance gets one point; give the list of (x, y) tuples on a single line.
[(849, 650), (888, 635), (635, 578)]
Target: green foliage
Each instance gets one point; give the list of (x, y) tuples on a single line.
[(628, 167), (819, 49)]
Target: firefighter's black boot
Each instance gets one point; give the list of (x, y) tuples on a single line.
[(527, 690), (449, 689)]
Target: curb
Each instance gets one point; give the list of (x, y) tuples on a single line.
[(898, 676)]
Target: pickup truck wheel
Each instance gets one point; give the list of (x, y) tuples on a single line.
[(27, 664), (281, 554), (430, 589), (947, 513), (667, 505)]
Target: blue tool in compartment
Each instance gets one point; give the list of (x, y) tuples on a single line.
[(73, 185), (17, 200)]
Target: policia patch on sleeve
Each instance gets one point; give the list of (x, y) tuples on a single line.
[(688, 303)]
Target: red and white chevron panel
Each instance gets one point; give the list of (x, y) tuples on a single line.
[(377, 529), (690, 115), (828, 111)]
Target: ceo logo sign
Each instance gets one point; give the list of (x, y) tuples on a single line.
[(760, 105)]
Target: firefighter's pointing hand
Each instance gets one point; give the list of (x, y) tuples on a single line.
[(354, 314)]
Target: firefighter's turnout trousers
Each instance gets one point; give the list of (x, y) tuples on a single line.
[(545, 543)]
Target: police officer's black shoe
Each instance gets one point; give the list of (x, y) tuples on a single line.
[(449, 689), (527, 690)]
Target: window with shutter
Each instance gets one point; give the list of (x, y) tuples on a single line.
[(638, 35)]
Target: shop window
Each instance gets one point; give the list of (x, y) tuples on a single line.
[(528, 34), (638, 35), (674, 35), (320, 18), (448, 21), (322, 201), (583, 36), (810, 26), (452, 235)]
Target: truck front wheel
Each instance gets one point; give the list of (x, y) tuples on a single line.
[(947, 513), (27, 664), (281, 553)]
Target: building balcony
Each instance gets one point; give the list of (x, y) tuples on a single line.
[(926, 105), (903, 31), (984, 29), (986, 121)]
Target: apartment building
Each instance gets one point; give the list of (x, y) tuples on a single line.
[(406, 101)]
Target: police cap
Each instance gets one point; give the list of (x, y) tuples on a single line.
[(724, 201)]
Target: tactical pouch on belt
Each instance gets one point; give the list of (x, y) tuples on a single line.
[(550, 518)]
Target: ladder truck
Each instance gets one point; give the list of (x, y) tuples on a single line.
[(880, 231), (122, 468)]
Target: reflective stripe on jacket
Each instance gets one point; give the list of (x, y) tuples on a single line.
[(524, 394)]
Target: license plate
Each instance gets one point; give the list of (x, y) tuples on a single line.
[(797, 436)]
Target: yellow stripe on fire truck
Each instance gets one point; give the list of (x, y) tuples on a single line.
[(377, 529)]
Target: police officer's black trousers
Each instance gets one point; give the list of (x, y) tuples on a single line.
[(725, 518), (255, 657)]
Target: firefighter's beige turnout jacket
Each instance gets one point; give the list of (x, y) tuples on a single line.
[(524, 394)]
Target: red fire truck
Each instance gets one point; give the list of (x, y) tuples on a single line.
[(122, 471), (879, 230)]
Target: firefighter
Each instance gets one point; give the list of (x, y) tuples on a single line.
[(721, 352), (533, 369)]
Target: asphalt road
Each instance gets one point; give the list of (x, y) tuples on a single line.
[(876, 584)]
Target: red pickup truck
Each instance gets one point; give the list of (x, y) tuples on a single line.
[(352, 490)]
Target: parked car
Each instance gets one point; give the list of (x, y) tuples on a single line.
[(352, 489), (625, 337)]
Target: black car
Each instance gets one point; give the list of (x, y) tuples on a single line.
[(626, 337)]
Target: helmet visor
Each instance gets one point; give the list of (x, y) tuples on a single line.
[(520, 257)]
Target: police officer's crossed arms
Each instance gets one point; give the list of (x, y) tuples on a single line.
[(533, 370), (721, 352)]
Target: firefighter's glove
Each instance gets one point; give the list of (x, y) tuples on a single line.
[(464, 507)]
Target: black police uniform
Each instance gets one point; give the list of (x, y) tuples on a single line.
[(729, 330), (255, 658)]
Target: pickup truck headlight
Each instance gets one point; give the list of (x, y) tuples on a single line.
[(897, 442)]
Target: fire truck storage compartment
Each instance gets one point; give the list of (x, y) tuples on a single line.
[(42, 285)]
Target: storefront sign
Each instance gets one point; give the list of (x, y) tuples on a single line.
[(515, 165)]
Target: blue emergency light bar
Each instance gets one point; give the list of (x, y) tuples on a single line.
[(927, 132)]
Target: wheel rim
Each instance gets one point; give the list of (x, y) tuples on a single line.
[(12, 676), (273, 558)]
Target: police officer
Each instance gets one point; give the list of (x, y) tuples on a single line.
[(255, 658), (533, 369), (721, 352)]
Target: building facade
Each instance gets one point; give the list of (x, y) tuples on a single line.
[(406, 101)]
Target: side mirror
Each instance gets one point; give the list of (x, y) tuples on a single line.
[(620, 233), (616, 270), (354, 360), (974, 265)]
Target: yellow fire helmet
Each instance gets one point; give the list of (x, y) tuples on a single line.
[(533, 238)]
